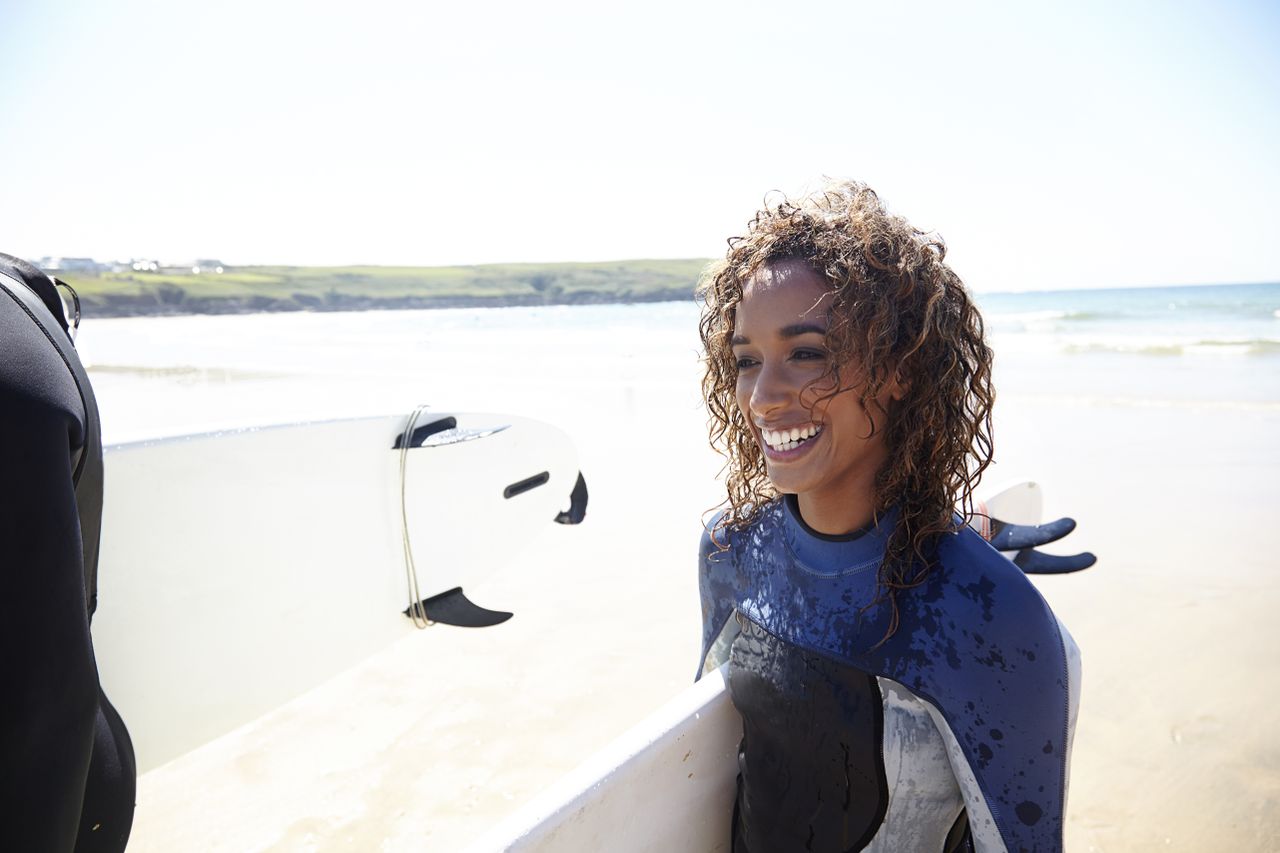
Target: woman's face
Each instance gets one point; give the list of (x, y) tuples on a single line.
[(824, 451)]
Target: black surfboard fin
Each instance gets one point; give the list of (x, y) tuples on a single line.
[(424, 431), (577, 503), (1015, 537), (1032, 562), (454, 608)]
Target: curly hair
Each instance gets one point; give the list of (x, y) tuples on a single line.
[(898, 313)]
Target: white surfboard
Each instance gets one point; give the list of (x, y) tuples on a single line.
[(668, 783), (1016, 503), (239, 569)]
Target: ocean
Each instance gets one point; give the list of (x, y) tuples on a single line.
[(1209, 345), (1203, 346), (1157, 321)]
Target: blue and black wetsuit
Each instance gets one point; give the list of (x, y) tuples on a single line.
[(67, 774), (952, 735)]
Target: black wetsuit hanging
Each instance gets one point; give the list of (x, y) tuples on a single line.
[(67, 773)]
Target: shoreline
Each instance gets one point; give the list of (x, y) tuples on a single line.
[(172, 291), (122, 305)]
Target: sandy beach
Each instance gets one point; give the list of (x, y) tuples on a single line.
[(429, 743)]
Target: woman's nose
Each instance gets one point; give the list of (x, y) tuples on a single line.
[(772, 391)]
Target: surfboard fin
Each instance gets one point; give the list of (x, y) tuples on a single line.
[(577, 503), (1032, 562), (1025, 538), (1015, 537), (454, 608)]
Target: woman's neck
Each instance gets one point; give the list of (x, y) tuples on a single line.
[(836, 517)]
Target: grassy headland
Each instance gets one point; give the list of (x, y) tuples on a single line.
[(253, 289)]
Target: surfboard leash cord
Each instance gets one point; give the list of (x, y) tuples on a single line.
[(416, 611)]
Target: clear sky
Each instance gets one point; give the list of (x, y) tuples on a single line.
[(1078, 144)]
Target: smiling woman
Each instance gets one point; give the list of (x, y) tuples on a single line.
[(898, 325), (819, 438), (902, 685)]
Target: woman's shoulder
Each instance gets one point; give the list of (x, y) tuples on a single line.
[(972, 572), (723, 533), (965, 553)]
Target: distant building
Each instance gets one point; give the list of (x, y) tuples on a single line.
[(55, 264)]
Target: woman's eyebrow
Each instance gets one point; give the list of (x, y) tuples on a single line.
[(798, 329), (795, 330)]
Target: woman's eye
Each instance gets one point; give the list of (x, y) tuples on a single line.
[(743, 362), (809, 355)]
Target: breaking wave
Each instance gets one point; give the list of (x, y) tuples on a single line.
[(1239, 347)]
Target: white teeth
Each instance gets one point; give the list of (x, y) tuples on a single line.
[(789, 439)]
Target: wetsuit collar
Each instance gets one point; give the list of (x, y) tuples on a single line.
[(827, 554)]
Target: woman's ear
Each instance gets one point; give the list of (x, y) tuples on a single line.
[(891, 392), (897, 386)]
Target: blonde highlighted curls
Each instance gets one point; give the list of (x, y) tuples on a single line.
[(897, 312)]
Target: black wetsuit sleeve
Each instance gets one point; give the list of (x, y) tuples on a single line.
[(46, 659)]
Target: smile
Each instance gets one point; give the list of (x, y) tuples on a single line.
[(781, 441)]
